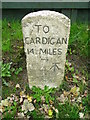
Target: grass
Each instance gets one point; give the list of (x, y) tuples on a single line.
[(12, 50), (79, 39), (11, 31), (68, 111)]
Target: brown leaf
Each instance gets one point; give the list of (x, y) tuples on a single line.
[(2, 109), (66, 77), (65, 93), (75, 91), (51, 102)]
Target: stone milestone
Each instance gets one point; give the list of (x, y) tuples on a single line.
[(45, 35)]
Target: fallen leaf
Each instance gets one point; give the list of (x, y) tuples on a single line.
[(31, 107), (5, 102), (75, 91), (73, 100), (29, 98), (35, 101), (2, 109), (50, 112), (21, 47), (67, 115), (46, 108), (28, 117), (84, 82), (81, 115), (22, 94), (85, 93), (9, 25), (21, 100), (16, 98), (65, 93), (62, 98), (21, 115), (56, 110), (18, 86), (66, 77), (79, 99), (76, 76), (43, 99), (27, 106), (51, 102)]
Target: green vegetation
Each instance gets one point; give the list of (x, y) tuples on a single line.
[(6, 72), (11, 30), (79, 39), (70, 100), (12, 111), (38, 93), (68, 111)]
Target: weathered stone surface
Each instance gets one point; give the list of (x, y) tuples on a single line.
[(45, 35)]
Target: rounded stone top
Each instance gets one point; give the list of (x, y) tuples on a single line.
[(44, 13)]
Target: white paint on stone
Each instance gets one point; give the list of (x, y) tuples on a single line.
[(45, 35)]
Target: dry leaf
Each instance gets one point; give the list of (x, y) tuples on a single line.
[(62, 98), (21, 100), (46, 108), (81, 114), (21, 115), (18, 86), (35, 101), (5, 102), (85, 93), (43, 99), (66, 77), (9, 25), (2, 109), (73, 100), (51, 102), (75, 91), (56, 110), (27, 106), (65, 93), (79, 99)]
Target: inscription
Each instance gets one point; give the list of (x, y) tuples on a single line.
[(45, 40), (55, 67), (44, 28), (47, 51)]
